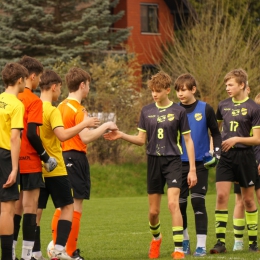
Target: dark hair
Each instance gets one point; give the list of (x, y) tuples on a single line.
[(160, 80), (185, 80), (31, 64), (74, 77), (12, 72), (48, 78)]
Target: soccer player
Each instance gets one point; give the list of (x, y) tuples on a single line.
[(240, 118), (201, 118), (74, 151), (11, 118), (239, 210), (31, 154), (161, 124), (52, 132)]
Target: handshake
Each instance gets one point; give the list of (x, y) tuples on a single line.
[(210, 159)]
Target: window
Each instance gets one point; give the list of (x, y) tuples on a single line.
[(149, 18), (148, 70)]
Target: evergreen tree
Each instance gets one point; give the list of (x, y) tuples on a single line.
[(53, 30)]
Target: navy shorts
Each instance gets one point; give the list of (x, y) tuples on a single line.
[(202, 180), (79, 174), (161, 170), (11, 193)]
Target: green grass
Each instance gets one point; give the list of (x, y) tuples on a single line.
[(116, 228)]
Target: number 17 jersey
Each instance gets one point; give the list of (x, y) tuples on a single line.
[(164, 126), (239, 118)]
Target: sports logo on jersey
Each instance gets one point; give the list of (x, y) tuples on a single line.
[(198, 116), (151, 116), (161, 119), (170, 117), (243, 111), (2, 104), (235, 112)]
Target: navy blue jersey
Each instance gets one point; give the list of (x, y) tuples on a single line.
[(239, 118), (164, 126)]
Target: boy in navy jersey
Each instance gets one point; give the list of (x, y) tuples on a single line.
[(201, 118), (160, 126), (240, 118)]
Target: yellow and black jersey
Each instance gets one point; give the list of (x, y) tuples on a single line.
[(51, 120), (164, 127), (11, 117), (238, 118)]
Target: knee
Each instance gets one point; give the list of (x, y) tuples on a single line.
[(198, 202), (222, 198), (173, 206), (249, 203), (154, 213)]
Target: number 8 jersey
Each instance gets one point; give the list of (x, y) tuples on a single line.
[(238, 118), (164, 126)]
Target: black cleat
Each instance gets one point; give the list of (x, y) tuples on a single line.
[(76, 255), (253, 247), (218, 248)]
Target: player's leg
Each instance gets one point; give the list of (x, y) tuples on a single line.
[(183, 202), (198, 194), (238, 219), (155, 186), (17, 220)]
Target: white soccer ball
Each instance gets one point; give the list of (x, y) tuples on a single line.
[(49, 248)]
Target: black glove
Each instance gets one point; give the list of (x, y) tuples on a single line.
[(51, 164), (210, 160)]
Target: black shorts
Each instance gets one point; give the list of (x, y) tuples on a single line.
[(237, 189), (202, 180), (31, 181), (11, 193), (59, 188), (79, 174), (238, 165), (161, 170)]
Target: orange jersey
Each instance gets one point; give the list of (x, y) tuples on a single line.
[(72, 113), (29, 159)]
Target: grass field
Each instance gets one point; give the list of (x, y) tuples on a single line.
[(114, 225)]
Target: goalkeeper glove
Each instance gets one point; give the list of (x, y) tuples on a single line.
[(210, 160), (50, 165)]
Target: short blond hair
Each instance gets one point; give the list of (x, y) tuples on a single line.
[(160, 80), (257, 99), (239, 75)]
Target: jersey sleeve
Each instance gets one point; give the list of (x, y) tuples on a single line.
[(184, 123), (141, 124), (218, 115), (79, 117), (256, 117), (17, 117), (35, 112), (55, 118)]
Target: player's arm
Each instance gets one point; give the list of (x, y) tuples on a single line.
[(88, 136), (192, 177), (250, 141), (15, 151), (139, 139)]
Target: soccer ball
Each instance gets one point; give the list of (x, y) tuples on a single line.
[(49, 248)]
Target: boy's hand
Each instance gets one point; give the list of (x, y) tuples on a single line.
[(113, 135), (11, 179), (91, 121), (111, 126), (192, 179), (50, 165)]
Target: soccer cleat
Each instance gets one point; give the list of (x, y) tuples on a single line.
[(154, 250), (178, 255), (253, 247), (186, 247), (238, 246), (218, 248), (200, 251), (76, 255), (39, 258), (55, 254)]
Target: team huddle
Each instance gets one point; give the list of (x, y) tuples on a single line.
[(43, 153)]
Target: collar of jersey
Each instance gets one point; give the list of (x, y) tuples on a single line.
[(165, 106), (239, 101), (70, 98)]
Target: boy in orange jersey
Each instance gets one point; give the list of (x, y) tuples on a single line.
[(74, 151), (31, 154), (52, 133), (11, 118)]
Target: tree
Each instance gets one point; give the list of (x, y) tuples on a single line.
[(214, 45), (58, 29)]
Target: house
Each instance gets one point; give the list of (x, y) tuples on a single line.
[(152, 22)]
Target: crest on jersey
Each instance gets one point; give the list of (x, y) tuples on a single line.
[(235, 112), (170, 117), (2, 104), (198, 116), (161, 119), (243, 111)]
